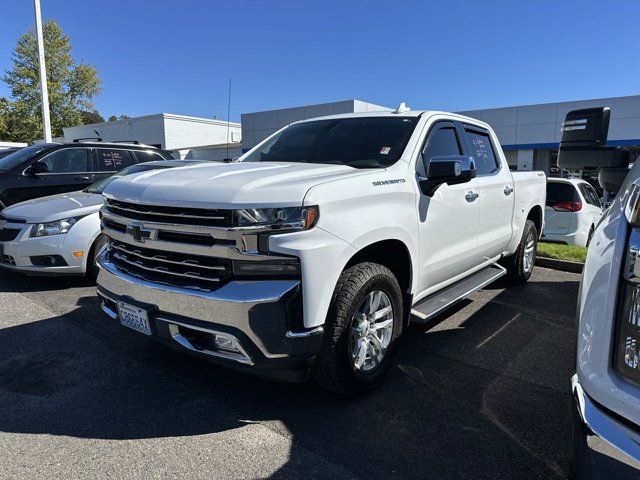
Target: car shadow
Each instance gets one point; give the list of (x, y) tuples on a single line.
[(484, 399)]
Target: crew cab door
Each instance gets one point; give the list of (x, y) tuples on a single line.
[(495, 190), (449, 219)]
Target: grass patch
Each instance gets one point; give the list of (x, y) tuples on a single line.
[(562, 252)]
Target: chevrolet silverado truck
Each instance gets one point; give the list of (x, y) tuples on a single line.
[(313, 251)]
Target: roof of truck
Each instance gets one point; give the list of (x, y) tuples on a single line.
[(406, 114)]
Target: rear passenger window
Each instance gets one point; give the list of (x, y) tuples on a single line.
[(480, 147), (143, 156), (589, 194), (442, 142), (113, 160)]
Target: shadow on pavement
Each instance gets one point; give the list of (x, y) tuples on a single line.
[(486, 399)]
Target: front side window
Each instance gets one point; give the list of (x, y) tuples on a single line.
[(21, 156), (113, 160), (68, 160), (365, 142), (480, 147), (442, 142)]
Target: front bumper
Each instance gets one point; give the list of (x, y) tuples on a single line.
[(603, 446), (258, 315)]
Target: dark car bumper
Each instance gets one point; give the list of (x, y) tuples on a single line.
[(255, 316), (603, 446)]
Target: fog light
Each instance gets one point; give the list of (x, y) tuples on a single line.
[(225, 343)]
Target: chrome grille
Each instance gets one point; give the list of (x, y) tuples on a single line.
[(172, 268), (173, 215)]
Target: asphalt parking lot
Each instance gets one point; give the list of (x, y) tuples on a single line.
[(481, 393)]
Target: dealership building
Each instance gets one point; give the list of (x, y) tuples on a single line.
[(529, 134)]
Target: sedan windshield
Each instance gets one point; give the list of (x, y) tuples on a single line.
[(18, 157), (364, 142), (99, 186)]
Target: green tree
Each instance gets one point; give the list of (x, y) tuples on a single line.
[(113, 118), (91, 117), (72, 85)]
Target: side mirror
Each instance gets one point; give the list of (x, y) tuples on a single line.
[(452, 170), (37, 168)]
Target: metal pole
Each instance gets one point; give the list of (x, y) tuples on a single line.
[(44, 94)]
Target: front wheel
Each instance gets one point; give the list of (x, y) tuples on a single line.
[(520, 265), (364, 320)]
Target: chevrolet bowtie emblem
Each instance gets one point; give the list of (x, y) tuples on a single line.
[(138, 232)]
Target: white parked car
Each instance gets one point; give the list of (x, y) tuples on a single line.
[(60, 234), (313, 252), (572, 211)]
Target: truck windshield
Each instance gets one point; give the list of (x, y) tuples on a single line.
[(364, 142), (20, 156)]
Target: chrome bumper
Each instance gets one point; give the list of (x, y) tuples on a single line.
[(603, 447), (254, 314)]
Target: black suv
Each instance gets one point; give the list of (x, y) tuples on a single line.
[(50, 168)]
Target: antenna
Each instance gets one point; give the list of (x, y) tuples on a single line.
[(228, 115)]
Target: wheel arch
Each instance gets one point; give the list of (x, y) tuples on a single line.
[(395, 255), (536, 216)]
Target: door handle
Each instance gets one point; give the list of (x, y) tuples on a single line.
[(508, 190), (81, 178), (471, 196)]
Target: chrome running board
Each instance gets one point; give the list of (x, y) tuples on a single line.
[(438, 302)]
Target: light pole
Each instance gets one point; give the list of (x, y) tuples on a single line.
[(44, 94)]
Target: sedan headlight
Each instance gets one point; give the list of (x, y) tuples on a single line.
[(290, 218), (58, 227)]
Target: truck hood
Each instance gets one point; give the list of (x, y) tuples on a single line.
[(230, 185), (55, 207)]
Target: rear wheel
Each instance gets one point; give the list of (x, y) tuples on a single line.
[(364, 319), (520, 265), (92, 261)]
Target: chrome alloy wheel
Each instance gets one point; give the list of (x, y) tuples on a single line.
[(529, 252), (371, 331)]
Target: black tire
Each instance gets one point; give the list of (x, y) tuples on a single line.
[(334, 368), (515, 264), (98, 244)]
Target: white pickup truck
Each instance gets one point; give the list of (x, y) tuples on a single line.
[(313, 251)]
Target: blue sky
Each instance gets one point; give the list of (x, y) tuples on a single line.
[(176, 56)]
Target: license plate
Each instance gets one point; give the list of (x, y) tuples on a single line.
[(134, 317)]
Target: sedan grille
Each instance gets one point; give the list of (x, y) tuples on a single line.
[(8, 234), (171, 268), (174, 215)]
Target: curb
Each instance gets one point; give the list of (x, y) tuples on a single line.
[(564, 265)]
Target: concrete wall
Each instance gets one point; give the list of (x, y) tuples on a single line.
[(257, 126), (166, 130), (215, 153), (148, 129), (537, 126), (186, 132)]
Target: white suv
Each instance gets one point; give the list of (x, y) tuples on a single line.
[(572, 211)]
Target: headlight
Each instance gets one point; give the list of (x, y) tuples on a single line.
[(290, 218), (58, 227)]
